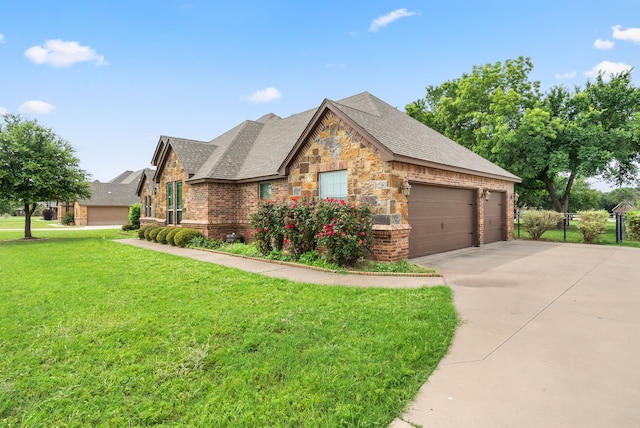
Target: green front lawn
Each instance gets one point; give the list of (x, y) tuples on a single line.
[(557, 235), (96, 333), (12, 222)]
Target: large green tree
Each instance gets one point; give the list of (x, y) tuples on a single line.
[(36, 165), (498, 112)]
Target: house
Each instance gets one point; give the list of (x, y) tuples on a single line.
[(428, 193), (109, 203), (623, 208)]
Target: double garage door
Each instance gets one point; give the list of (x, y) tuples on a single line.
[(445, 218), (107, 216)]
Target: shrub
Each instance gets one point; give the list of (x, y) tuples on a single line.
[(300, 226), (592, 224), (346, 233), (171, 235), (67, 219), (134, 215), (153, 233), (128, 227), (268, 226), (633, 225), (537, 222), (162, 235), (47, 214), (185, 235), (147, 232), (202, 242), (142, 230)]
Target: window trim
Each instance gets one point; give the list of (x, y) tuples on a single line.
[(265, 183), (340, 173), (174, 203)]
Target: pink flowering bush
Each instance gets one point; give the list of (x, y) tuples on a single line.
[(346, 232), (343, 230), (268, 227), (300, 227)]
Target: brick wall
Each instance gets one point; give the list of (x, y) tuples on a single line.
[(428, 175), (218, 209)]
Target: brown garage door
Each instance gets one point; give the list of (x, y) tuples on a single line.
[(107, 216), (441, 219), (495, 218)]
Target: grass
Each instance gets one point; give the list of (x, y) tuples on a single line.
[(96, 333), (557, 235), (17, 222)]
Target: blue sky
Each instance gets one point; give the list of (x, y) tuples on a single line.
[(112, 76)]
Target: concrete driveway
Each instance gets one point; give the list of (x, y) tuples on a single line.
[(550, 337)]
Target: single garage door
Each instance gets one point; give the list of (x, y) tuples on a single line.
[(441, 219), (495, 218), (107, 216)]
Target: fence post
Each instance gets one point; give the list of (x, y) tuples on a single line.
[(564, 225), (620, 228)]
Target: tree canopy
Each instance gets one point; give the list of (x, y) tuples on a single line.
[(498, 112), (36, 165)]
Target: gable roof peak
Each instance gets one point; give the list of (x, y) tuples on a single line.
[(268, 118)]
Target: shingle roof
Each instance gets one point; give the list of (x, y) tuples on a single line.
[(192, 153), (119, 191), (405, 136), (112, 194), (255, 149)]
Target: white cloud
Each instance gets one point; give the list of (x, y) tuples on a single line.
[(570, 75), (36, 107), (265, 95), (603, 44), (1, 39), (3, 111), (59, 53), (334, 65), (608, 68), (631, 34), (387, 19)]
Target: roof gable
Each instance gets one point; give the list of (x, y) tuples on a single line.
[(191, 153), (400, 137)]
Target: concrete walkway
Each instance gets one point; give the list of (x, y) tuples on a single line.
[(276, 270), (550, 337)]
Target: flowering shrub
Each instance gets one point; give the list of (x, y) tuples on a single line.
[(268, 224), (344, 231), (300, 226)]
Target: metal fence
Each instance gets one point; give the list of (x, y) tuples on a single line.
[(621, 229)]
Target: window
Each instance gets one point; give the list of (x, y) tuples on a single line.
[(170, 206), (174, 202), (333, 184), (178, 202), (147, 206), (264, 190)]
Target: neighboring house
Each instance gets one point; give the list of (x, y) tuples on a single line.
[(109, 203), (623, 207), (428, 193)]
